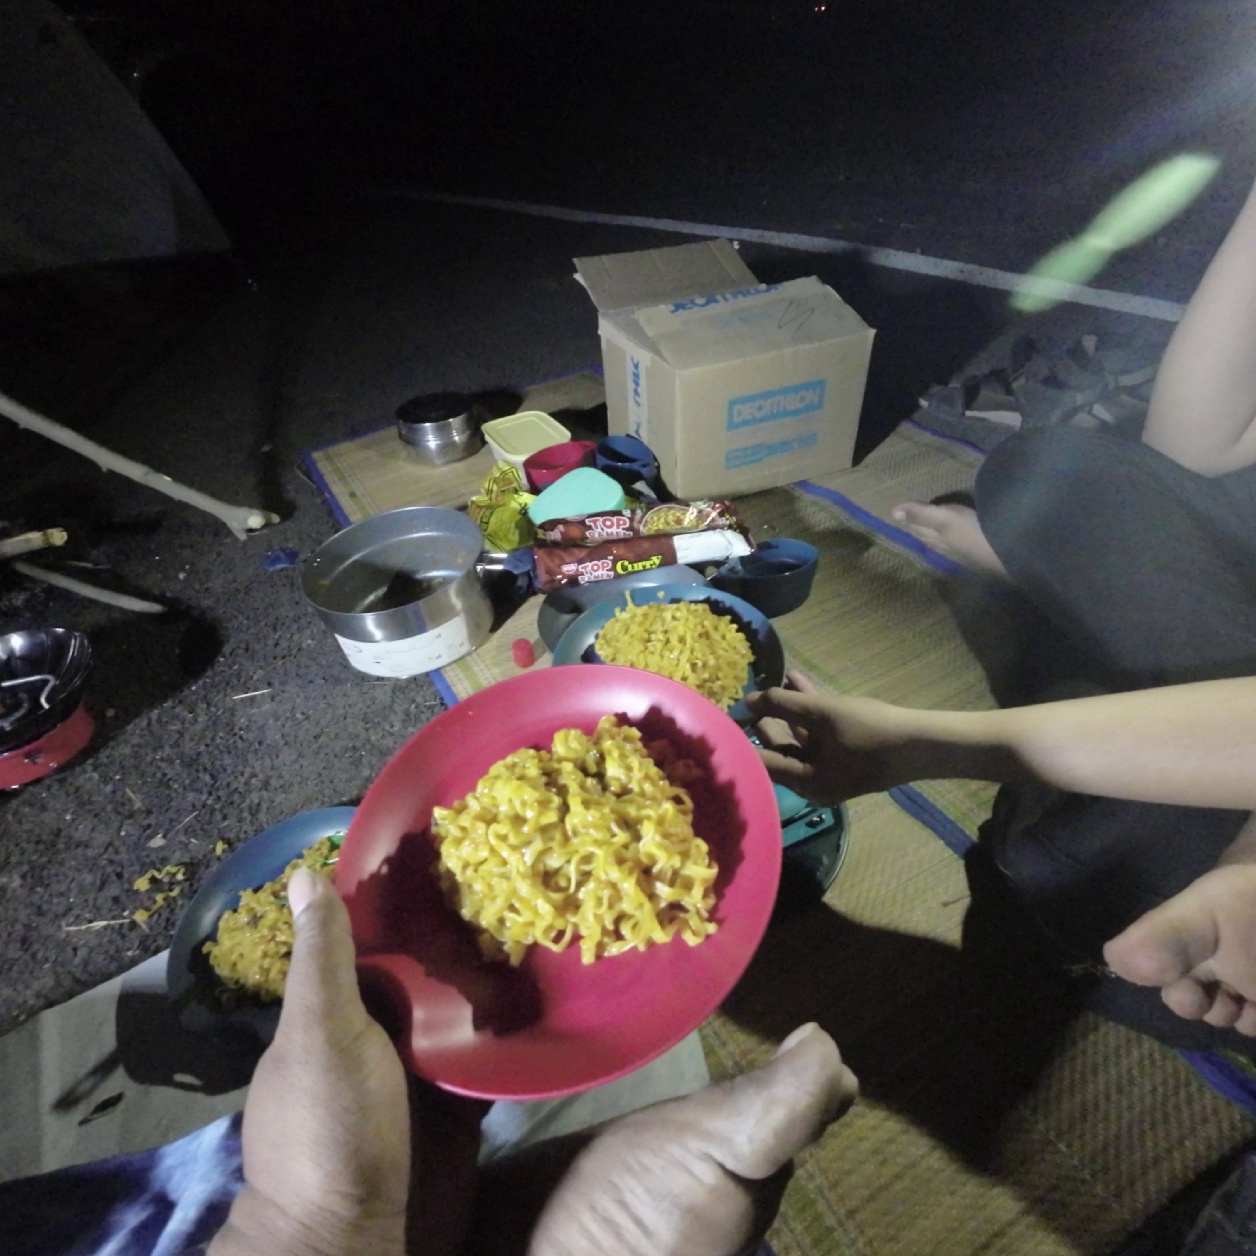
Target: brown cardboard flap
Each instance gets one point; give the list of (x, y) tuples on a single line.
[(783, 316), (619, 281)]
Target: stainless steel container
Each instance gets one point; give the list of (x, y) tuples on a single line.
[(402, 591), (440, 428)]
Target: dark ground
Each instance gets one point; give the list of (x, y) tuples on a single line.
[(974, 131)]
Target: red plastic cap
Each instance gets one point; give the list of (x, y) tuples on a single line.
[(524, 654)]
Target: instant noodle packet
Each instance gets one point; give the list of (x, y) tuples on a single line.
[(642, 536), (643, 519), (557, 566), (501, 509)]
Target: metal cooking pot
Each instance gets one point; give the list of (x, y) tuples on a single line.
[(402, 590), (441, 427)]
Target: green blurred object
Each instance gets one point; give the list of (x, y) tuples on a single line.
[(1149, 204), (1065, 267), (1152, 202)]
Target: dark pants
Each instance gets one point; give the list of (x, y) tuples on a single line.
[(1135, 572)]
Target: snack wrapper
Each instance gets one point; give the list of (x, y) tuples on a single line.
[(501, 509), (642, 519), (557, 566)]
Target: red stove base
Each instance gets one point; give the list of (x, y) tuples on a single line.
[(28, 763)]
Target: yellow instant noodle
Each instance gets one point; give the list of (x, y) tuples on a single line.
[(686, 641), (253, 947), (588, 840)]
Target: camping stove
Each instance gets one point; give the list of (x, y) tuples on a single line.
[(47, 753), (816, 841)]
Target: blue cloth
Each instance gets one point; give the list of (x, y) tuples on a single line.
[(280, 559), (169, 1201)]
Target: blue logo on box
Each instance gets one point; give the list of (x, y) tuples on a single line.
[(749, 455), (721, 298), (779, 403), (636, 396)]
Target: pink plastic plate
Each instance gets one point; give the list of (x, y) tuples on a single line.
[(552, 1026)]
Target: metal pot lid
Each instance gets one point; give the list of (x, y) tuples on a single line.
[(435, 408)]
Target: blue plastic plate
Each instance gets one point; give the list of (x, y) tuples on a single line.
[(190, 981), (766, 669), (562, 607)]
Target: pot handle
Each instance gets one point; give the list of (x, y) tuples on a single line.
[(490, 561)]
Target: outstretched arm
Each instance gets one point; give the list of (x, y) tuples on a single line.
[(1193, 745), (1203, 406)]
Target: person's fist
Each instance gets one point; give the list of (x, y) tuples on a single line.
[(703, 1175)]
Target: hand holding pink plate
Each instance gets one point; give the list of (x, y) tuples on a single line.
[(553, 1025)]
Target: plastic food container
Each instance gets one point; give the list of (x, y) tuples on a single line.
[(517, 437), (546, 466)]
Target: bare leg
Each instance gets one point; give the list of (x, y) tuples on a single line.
[(952, 530), (1203, 406), (1199, 947)]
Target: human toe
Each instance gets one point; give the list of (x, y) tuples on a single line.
[(914, 514), (1225, 1009), (1187, 998), (1246, 1023)]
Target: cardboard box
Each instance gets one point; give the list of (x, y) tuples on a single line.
[(736, 385)]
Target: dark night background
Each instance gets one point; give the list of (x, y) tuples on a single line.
[(974, 130)]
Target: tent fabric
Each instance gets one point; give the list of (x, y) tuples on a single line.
[(87, 177)]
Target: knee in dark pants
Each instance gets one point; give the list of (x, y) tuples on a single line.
[(1056, 876), (1002, 942)]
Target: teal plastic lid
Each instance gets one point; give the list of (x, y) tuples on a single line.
[(584, 491)]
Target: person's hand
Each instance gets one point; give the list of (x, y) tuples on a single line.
[(332, 1167), (829, 747), (1199, 947), (326, 1127), (699, 1176)]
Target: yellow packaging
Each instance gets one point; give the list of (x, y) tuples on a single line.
[(501, 509)]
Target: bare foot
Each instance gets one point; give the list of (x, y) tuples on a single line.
[(1199, 948), (699, 1176), (953, 531)]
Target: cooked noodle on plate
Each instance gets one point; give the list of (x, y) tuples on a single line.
[(589, 841), (685, 641), (253, 946)]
